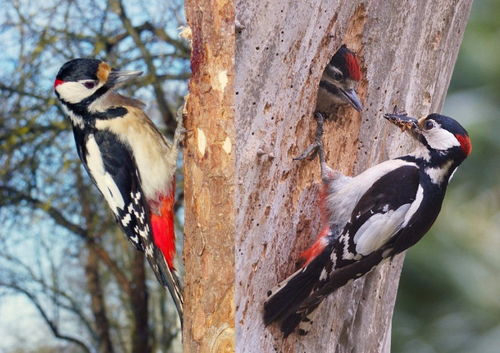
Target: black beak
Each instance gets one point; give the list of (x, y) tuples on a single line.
[(118, 77), (353, 99), (403, 121)]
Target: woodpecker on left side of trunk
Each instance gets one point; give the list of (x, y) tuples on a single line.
[(372, 216), (339, 82), (132, 164)]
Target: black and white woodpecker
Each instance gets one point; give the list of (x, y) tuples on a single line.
[(370, 217), (131, 163), (339, 82)]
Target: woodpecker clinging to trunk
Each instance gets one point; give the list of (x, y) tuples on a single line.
[(372, 216), (339, 82), (129, 160)]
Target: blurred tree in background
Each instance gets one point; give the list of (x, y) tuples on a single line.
[(60, 249), (449, 299)]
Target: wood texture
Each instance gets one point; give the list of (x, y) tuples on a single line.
[(407, 51), (210, 180)]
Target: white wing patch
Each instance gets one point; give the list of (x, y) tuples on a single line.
[(126, 220), (378, 229), (342, 198), (414, 206), (103, 179)]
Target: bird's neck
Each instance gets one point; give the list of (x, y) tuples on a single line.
[(437, 166), (112, 100)]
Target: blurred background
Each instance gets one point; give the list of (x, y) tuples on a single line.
[(69, 280), (449, 295)]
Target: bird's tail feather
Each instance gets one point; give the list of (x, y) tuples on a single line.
[(286, 298), (168, 279)]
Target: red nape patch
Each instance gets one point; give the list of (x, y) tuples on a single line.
[(353, 66), (57, 82), (465, 143), (163, 227), (316, 249)]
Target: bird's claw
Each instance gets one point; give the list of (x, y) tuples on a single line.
[(317, 147), (310, 152)]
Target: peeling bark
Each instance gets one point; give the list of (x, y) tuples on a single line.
[(407, 51), (209, 169)]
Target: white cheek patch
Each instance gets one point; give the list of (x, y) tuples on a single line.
[(440, 139), (103, 179), (74, 92)]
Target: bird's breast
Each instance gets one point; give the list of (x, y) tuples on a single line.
[(155, 159)]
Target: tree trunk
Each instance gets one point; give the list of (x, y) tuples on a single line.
[(245, 196), (407, 51), (139, 303), (97, 302), (210, 180)]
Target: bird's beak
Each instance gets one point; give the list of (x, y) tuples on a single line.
[(404, 122), (118, 77), (351, 96)]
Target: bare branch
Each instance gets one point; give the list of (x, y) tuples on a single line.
[(14, 196), (52, 325), (163, 106)]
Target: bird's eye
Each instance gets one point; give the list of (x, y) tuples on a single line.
[(89, 84), (338, 76), (429, 124)]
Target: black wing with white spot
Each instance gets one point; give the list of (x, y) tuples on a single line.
[(375, 220), (378, 215), (112, 168)]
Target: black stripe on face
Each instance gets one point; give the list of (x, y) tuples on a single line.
[(331, 88), (82, 111)]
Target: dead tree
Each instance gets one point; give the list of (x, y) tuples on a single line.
[(244, 193)]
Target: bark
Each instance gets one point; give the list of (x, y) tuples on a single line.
[(407, 51), (209, 174)]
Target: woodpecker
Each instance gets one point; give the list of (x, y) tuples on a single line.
[(131, 163), (370, 217), (339, 82)]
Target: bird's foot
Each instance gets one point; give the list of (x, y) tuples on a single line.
[(317, 146)]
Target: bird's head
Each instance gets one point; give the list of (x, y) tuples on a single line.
[(82, 81), (343, 71), (441, 135)]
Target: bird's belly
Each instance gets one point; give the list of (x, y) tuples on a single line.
[(155, 167)]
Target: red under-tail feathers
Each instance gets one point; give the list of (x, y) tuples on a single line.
[(163, 226), (317, 248), (320, 243)]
